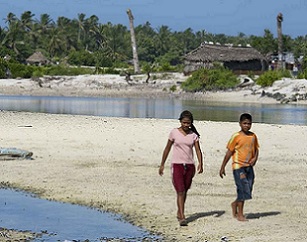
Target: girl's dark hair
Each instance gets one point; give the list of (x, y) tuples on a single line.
[(245, 116), (189, 115)]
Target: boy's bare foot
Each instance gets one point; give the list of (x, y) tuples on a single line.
[(234, 209), (242, 219)]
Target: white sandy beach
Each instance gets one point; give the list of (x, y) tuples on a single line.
[(161, 85), (112, 164)]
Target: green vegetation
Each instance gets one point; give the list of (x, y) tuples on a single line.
[(105, 47), (212, 79), (268, 78), (18, 70), (3, 68)]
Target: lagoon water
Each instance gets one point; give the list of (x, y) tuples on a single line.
[(156, 108), (62, 221)]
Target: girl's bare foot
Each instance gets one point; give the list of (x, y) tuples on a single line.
[(242, 219), (234, 209)]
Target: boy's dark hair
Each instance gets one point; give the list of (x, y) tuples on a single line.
[(245, 116), (189, 115)]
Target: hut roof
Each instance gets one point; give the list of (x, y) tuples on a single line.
[(37, 57), (223, 53)]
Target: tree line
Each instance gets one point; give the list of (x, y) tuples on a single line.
[(85, 41)]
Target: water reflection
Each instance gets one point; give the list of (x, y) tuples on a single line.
[(156, 108), (63, 221)]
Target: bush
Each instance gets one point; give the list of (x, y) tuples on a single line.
[(21, 70), (218, 78), (80, 58), (61, 70), (3, 68), (269, 77)]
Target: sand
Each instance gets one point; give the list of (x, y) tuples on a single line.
[(112, 164)]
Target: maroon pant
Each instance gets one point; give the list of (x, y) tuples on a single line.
[(182, 176)]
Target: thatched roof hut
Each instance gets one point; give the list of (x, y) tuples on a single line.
[(235, 58), (37, 59)]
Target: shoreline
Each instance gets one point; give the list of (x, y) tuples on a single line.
[(162, 85), (75, 161)]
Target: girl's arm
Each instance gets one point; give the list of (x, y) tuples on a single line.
[(199, 157), (165, 155)]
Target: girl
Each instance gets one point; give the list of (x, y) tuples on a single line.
[(183, 139)]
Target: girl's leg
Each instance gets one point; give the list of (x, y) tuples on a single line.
[(181, 197)]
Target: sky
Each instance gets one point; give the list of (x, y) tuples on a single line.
[(229, 17)]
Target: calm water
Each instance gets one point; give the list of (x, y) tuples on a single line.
[(156, 108), (62, 221)]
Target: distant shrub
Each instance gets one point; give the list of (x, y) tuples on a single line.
[(61, 70), (218, 78), (37, 73), (302, 75), (173, 88), (109, 70), (3, 68), (269, 77), (81, 58), (21, 70)]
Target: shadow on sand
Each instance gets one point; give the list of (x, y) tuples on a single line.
[(259, 215), (196, 216)]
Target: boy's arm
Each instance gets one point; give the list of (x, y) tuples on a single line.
[(199, 157), (225, 161), (253, 161)]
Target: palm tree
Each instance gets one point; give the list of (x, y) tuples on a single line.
[(27, 21), (280, 47), (44, 23), (10, 18), (99, 36), (12, 38), (115, 38), (133, 43), (55, 42), (81, 21)]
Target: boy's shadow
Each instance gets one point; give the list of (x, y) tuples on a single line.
[(196, 216), (259, 215)]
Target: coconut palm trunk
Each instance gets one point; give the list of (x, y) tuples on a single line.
[(133, 42), (280, 44)]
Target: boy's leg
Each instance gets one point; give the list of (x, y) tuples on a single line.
[(243, 193), (240, 215), (234, 207)]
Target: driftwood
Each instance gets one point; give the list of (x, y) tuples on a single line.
[(128, 77), (14, 153), (148, 77)]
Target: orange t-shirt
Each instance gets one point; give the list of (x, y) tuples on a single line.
[(244, 148)]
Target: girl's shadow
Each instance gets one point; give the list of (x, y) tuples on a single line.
[(196, 216)]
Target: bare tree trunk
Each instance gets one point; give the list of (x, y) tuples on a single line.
[(133, 42), (280, 44)]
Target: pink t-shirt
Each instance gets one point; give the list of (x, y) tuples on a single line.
[(182, 146)]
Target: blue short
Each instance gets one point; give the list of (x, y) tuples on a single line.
[(244, 179)]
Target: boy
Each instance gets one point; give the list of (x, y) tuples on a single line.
[(243, 148)]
